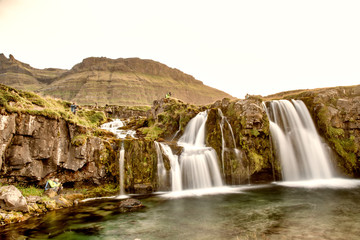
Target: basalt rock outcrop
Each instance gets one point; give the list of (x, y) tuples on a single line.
[(34, 148)]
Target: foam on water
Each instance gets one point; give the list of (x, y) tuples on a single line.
[(201, 192), (322, 183)]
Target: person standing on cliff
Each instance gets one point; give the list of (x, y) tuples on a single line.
[(168, 95), (73, 108)]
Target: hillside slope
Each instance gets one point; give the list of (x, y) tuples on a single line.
[(131, 81)]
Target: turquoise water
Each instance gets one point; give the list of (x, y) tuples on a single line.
[(251, 212)]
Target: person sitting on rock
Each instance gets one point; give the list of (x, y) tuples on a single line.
[(53, 184)]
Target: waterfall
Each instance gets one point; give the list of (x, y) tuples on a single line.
[(122, 170), (113, 127), (175, 172), (222, 140), (298, 146), (235, 150), (176, 181), (177, 132), (161, 170), (198, 163)]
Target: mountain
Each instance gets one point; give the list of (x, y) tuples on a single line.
[(22, 76), (129, 81)]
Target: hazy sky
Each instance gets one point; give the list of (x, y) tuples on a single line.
[(256, 47)]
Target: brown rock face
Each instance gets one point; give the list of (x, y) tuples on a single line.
[(34, 147)]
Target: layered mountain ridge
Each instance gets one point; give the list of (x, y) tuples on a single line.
[(122, 81)]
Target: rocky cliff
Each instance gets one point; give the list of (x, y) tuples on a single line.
[(36, 147), (102, 81)]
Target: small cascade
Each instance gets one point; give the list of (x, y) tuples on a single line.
[(122, 170), (239, 164), (161, 170), (177, 132), (198, 163), (176, 181), (121, 134), (114, 126), (222, 141), (298, 146)]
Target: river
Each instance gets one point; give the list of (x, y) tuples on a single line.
[(297, 210)]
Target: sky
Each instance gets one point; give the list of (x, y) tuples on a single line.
[(258, 47)]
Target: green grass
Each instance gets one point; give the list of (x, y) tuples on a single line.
[(19, 101), (79, 140), (152, 133), (104, 190), (30, 191)]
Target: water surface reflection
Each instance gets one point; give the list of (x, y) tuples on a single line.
[(267, 212)]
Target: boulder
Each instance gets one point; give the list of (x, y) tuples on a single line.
[(143, 188), (130, 205), (12, 199), (51, 193)]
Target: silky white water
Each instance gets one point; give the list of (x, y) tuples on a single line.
[(197, 166), (225, 148), (161, 170), (198, 163), (122, 170), (302, 154), (114, 126)]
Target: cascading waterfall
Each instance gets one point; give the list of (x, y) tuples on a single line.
[(122, 170), (175, 172), (197, 166), (298, 145), (176, 181), (198, 163), (121, 134)]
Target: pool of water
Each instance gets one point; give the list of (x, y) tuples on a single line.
[(273, 211)]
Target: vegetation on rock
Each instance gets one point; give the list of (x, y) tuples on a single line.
[(19, 101)]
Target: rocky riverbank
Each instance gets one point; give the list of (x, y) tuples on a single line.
[(15, 207)]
